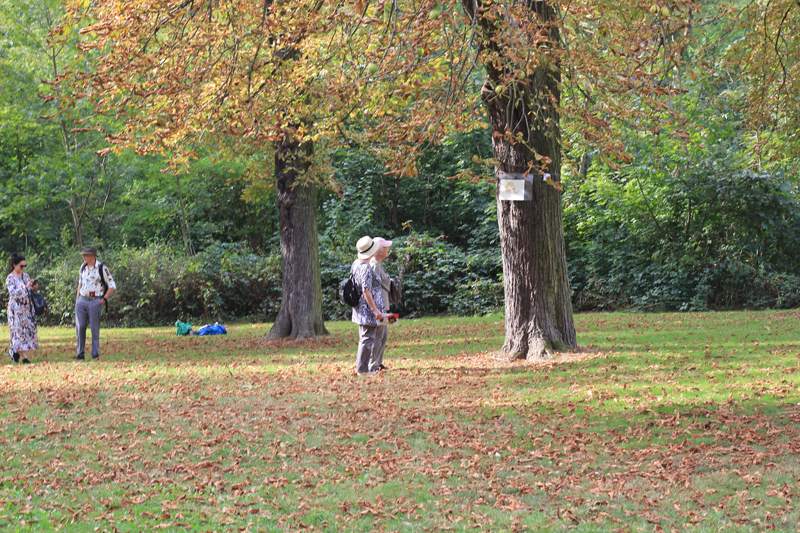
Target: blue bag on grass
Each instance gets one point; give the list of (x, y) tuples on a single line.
[(212, 329)]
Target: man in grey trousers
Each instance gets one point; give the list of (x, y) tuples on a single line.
[(95, 287)]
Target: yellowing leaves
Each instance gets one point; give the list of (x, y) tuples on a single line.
[(246, 71)]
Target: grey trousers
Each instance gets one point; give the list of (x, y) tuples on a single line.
[(378, 348), (87, 312), (367, 336)]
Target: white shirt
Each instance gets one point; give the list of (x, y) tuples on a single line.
[(91, 287)]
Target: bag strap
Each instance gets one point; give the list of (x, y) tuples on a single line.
[(30, 294), (102, 275), (355, 282), (103, 279), (101, 266)]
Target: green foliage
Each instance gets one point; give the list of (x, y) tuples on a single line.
[(437, 277), (157, 285), (695, 221), (23, 135), (212, 193), (440, 278), (229, 280), (688, 225), (460, 210)]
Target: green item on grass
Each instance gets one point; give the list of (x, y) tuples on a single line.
[(183, 328)]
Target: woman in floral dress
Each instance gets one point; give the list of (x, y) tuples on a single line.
[(21, 316)]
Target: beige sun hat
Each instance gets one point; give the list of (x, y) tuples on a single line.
[(367, 247)]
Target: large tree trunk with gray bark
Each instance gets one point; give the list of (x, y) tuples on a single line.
[(300, 315), (537, 292)]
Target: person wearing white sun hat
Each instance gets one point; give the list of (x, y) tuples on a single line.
[(383, 330), (369, 310)]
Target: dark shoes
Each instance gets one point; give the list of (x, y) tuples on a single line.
[(82, 357), (15, 357), (95, 357), (383, 368)]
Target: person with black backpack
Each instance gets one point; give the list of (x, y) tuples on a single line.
[(369, 310), (37, 299), (95, 287)]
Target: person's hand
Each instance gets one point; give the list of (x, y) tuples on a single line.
[(379, 315)]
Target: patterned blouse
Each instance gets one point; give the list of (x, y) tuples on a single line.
[(91, 287), (368, 281)]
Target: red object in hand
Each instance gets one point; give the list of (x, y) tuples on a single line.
[(391, 318)]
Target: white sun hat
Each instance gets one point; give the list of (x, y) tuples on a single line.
[(367, 247)]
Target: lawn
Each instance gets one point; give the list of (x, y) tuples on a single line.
[(660, 422)]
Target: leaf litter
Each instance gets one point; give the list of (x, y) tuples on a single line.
[(255, 436)]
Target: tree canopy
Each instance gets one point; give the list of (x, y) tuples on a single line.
[(396, 73), (662, 112)]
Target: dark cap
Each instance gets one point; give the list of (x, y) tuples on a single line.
[(89, 250)]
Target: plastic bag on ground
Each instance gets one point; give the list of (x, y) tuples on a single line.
[(212, 329)]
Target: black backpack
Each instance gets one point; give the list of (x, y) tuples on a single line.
[(39, 304), (102, 278), (349, 292)]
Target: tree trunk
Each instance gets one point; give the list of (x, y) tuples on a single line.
[(395, 201), (187, 240), (76, 220), (300, 316), (537, 292)]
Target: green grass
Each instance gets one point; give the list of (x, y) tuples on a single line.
[(660, 422)]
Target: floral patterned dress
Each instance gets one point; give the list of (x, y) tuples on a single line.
[(21, 316)]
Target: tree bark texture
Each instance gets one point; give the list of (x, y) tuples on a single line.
[(300, 315), (76, 220), (538, 303), (187, 240)]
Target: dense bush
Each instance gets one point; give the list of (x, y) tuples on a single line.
[(230, 281), (158, 285), (711, 236), (437, 277), (687, 224)]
